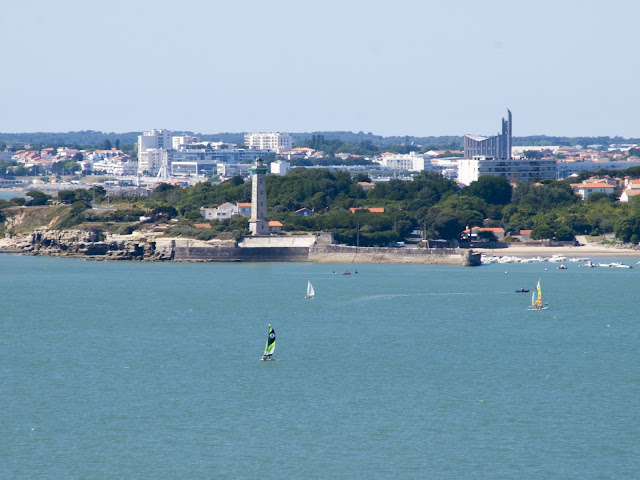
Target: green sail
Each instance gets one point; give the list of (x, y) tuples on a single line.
[(271, 342)]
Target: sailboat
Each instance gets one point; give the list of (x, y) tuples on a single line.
[(536, 298), (310, 291), (270, 346)]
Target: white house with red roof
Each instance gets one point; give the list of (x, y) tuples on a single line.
[(628, 194), (474, 231), (586, 189)]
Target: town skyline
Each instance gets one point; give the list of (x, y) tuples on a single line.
[(414, 68)]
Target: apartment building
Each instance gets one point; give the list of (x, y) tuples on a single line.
[(469, 170), (276, 142)]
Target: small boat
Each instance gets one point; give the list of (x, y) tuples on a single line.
[(270, 346), (536, 298), (620, 265), (522, 290), (562, 267), (310, 291), (346, 272)]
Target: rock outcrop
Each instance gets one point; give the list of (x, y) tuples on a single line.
[(91, 244)]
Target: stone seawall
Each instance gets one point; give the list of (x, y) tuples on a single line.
[(237, 254), (326, 254), (433, 256)]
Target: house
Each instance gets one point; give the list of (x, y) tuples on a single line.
[(628, 194), (525, 235), (304, 212), (586, 189), (631, 184), (244, 209), (474, 231), (223, 212), (366, 185), (275, 226)]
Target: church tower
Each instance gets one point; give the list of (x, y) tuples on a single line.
[(259, 223)]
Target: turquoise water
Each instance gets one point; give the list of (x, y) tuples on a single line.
[(9, 194), (152, 371)]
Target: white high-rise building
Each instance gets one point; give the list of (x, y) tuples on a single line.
[(154, 139), (182, 140), (469, 170), (277, 142), (280, 167), (153, 149), (413, 161)]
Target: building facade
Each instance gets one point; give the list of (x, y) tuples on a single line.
[(469, 170), (414, 162), (280, 167), (276, 142), (498, 146)]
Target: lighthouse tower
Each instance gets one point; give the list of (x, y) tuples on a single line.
[(259, 223)]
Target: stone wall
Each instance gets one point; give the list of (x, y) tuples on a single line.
[(434, 256), (213, 253)]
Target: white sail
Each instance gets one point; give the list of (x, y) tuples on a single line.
[(310, 291)]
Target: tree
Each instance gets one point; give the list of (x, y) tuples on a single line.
[(542, 232), (38, 197), (493, 190), (564, 234), (487, 236), (533, 154), (65, 167)]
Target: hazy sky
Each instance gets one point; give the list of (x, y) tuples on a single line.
[(399, 67)]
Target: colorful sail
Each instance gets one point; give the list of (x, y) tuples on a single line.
[(271, 343), (538, 297)]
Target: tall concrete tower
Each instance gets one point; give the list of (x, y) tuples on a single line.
[(505, 138), (259, 223)]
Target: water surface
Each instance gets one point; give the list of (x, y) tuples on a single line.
[(152, 371)]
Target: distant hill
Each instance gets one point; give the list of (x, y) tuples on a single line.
[(90, 138)]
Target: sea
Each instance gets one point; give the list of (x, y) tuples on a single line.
[(9, 194), (152, 371)]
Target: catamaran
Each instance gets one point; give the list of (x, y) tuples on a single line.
[(270, 346), (536, 298), (310, 291)]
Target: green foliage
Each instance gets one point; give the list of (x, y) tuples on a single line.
[(191, 232), (541, 232), (65, 167), (487, 236), (564, 234), (75, 216), (38, 197), (533, 154), (493, 190), (125, 215), (126, 230), (628, 228)]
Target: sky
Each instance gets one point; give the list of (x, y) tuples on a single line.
[(402, 67)]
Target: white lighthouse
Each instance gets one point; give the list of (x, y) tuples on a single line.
[(259, 223)]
